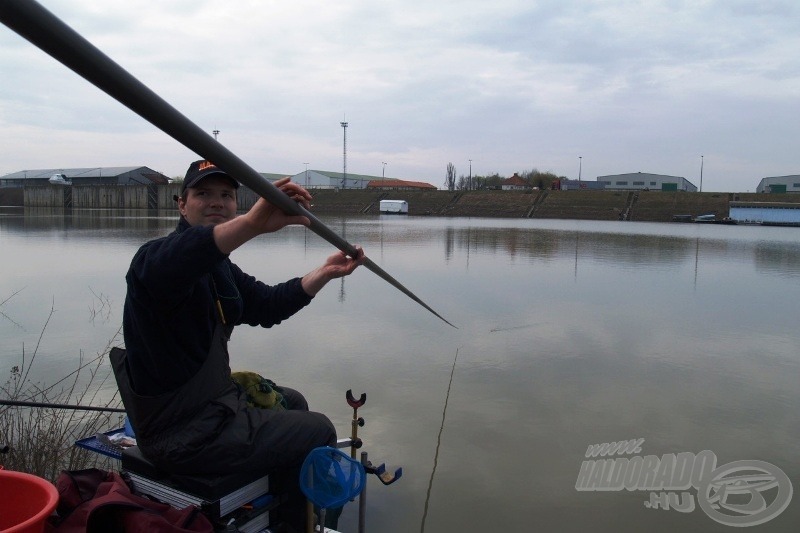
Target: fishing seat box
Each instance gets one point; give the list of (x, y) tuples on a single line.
[(244, 496)]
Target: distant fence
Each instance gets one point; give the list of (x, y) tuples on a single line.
[(115, 196), (101, 196), (11, 196)]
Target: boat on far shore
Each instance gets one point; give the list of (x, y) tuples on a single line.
[(709, 218)]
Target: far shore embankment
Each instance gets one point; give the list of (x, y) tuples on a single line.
[(650, 206)]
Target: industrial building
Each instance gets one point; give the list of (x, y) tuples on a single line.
[(323, 179), (766, 213), (86, 176), (577, 185), (646, 182), (779, 184)]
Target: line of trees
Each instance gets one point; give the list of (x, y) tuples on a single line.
[(535, 179)]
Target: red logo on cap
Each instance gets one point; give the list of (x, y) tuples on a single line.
[(206, 164)]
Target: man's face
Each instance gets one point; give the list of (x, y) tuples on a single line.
[(212, 201)]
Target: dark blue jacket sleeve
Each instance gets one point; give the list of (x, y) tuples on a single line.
[(265, 305)]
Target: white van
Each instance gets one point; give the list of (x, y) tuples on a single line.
[(399, 207)]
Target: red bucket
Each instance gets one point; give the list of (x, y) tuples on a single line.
[(26, 501)]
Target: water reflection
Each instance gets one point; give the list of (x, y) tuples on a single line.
[(570, 334), (51, 220), (777, 259), (631, 249)]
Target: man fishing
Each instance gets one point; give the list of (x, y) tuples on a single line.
[(184, 298)]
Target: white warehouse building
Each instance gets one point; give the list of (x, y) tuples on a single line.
[(780, 184), (323, 179), (645, 181)]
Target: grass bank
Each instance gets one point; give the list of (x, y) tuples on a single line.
[(645, 206)]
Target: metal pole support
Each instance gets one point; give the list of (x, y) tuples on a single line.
[(362, 500)]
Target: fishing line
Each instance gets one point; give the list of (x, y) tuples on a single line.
[(438, 444), (5, 315)]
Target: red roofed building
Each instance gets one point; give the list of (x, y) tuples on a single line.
[(514, 183), (400, 185)]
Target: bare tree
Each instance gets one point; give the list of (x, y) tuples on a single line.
[(450, 180)]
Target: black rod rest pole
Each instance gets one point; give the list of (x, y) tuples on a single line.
[(39, 26), (21, 403)]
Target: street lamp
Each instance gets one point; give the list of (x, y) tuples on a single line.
[(701, 173), (383, 172), (344, 156), (580, 167), (306, 164), (469, 182)]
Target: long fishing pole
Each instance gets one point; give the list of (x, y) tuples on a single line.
[(22, 403), (39, 26)]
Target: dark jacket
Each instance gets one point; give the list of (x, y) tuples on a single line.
[(170, 310)]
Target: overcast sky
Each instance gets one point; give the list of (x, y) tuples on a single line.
[(596, 87)]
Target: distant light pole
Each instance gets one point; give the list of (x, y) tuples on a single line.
[(344, 156), (701, 173), (215, 132), (383, 172), (469, 182), (306, 164), (580, 167)]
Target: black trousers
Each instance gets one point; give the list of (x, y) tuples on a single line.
[(228, 436)]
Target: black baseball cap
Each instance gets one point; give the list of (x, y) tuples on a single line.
[(203, 169)]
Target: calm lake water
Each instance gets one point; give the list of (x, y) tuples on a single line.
[(681, 339)]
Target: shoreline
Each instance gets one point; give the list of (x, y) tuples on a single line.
[(645, 206)]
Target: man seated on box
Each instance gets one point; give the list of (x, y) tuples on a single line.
[(184, 298)]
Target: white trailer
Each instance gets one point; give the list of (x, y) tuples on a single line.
[(399, 207)]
